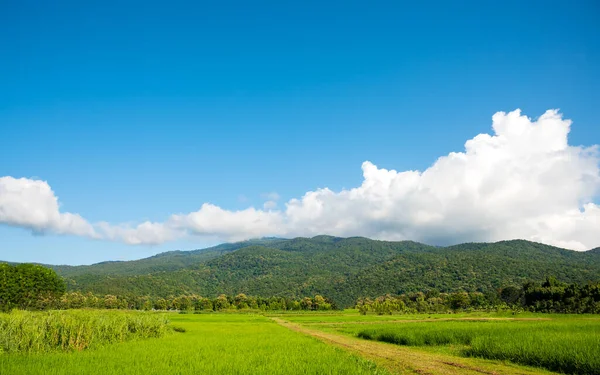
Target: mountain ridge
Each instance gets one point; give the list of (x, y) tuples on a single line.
[(342, 269), (235, 245)]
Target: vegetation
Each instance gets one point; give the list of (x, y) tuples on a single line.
[(343, 269), (75, 330), (212, 344), (568, 346), (52, 342), (168, 261), (415, 278), (28, 286), (37, 288), (554, 296), (191, 303), (550, 296)]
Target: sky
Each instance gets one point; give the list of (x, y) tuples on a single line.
[(133, 128)]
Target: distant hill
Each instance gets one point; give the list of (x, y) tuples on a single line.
[(343, 269), (169, 261)]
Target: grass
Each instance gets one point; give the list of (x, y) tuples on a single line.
[(410, 360), (568, 346), (227, 343), (24, 331), (212, 344), (350, 316)]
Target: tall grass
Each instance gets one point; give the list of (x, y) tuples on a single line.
[(216, 344), (571, 347), (24, 331), (566, 352)]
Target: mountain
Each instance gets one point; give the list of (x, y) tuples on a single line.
[(475, 267), (343, 269), (169, 261)]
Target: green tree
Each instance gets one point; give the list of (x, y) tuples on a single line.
[(29, 286), (221, 303)]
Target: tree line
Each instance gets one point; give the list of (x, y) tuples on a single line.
[(34, 287), (191, 303), (550, 296)]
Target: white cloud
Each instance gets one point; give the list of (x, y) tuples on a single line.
[(212, 220), (33, 205), (524, 181), (146, 233)]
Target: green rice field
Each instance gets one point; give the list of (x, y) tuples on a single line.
[(565, 346), (211, 344), (331, 343)]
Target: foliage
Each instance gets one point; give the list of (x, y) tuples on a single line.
[(28, 286), (163, 262), (430, 302), (190, 303), (344, 269), (550, 296), (554, 296), (23, 331)]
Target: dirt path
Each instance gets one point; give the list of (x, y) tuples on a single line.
[(403, 360)]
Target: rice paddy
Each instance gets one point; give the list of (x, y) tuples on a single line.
[(565, 346), (211, 344), (331, 343)]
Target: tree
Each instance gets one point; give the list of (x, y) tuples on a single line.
[(29, 286), (221, 303), (241, 301), (318, 302), (204, 304), (459, 301), (511, 295), (111, 302), (306, 303)]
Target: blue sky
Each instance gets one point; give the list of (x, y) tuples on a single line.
[(138, 111)]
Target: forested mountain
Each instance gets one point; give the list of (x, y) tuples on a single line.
[(169, 261), (475, 267), (342, 269)]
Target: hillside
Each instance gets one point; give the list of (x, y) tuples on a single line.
[(169, 261), (475, 267), (343, 269)]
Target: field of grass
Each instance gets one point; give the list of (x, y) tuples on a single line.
[(353, 316), (568, 346), (341, 343), (24, 331), (211, 344)]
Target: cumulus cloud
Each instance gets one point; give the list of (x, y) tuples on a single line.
[(523, 181), (146, 233), (214, 221), (33, 205)]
